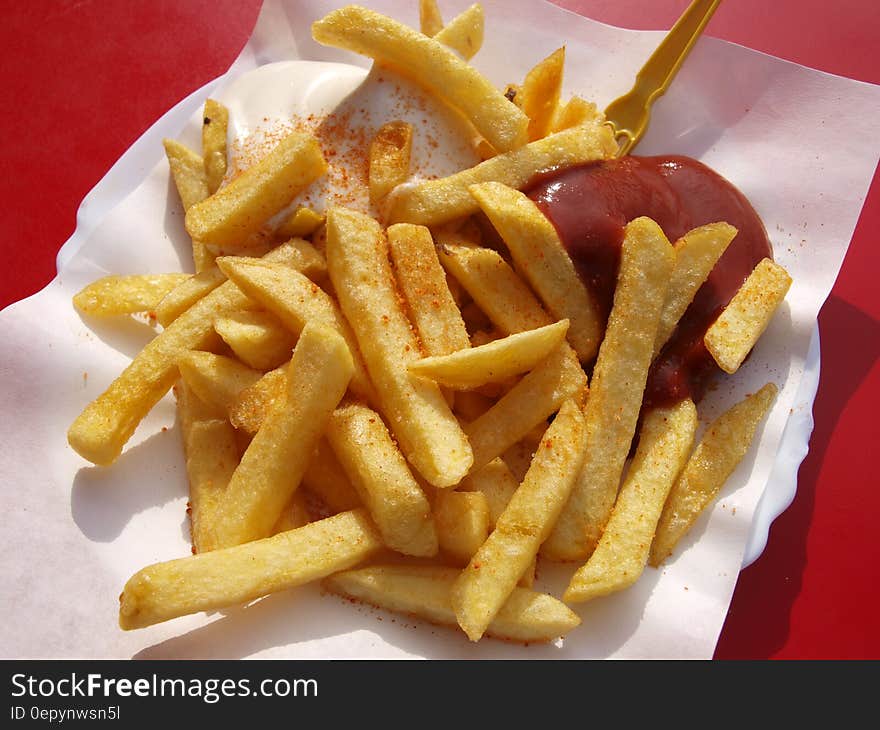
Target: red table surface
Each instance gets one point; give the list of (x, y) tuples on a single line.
[(84, 78)]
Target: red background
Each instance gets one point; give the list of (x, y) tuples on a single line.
[(84, 78)]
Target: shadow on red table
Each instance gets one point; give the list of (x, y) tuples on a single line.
[(757, 625)]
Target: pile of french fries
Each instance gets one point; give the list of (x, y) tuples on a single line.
[(390, 403)]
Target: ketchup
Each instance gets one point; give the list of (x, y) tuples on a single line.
[(590, 204)]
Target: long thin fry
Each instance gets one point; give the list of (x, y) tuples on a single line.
[(113, 295), (539, 96), (429, 435), (238, 210), (425, 592), (239, 574), (539, 254), (494, 361), (665, 441), (721, 449), (432, 202), (383, 480), (431, 64), (423, 282), (275, 461), (216, 379), (214, 128), (616, 390), (464, 33), (492, 574)]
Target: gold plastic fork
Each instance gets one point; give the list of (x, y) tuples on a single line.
[(629, 115)]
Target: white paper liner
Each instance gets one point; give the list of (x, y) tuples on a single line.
[(74, 533)]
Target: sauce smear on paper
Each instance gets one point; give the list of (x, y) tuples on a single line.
[(590, 204)]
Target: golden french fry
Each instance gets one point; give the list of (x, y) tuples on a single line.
[(429, 435), (492, 574), (258, 339), (272, 467), (299, 224), (576, 111), (187, 293), (211, 450), (464, 33), (188, 173), (539, 254), (383, 481), (462, 520), (721, 449), (423, 282), (299, 254), (494, 361), (113, 295), (214, 128), (390, 153), (239, 574), (431, 202), (539, 96), (239, 209), (429, 63), (494, 286), (327, 480), (695, 256), (296, 301), (665, 442), (616, 391), (425, 592), (253, 403), (215, 379), (733, 335), (430, 20)]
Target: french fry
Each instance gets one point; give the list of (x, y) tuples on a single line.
[(695, 256), (576, 111), (721, 449), (424, 592), (382, 479), (272, 467), (296, 300), (326, 479), (211, 451), (665, 442), (430, 20), (733, 335), (299, 254), (470, 405), (617, 388), (253, 403), (494, 361), (258, 339), (429, 435), (462, 520), (464, 33), (492, 574), (539, 254), (214, 129), (114, 295), (242, 573), (432, 202), (390, 153), (423, 282), (187, 293), (188, 173), (432, 65), (539, 96), (299, 224), (239, 209), (215, 379), (494, 286)]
